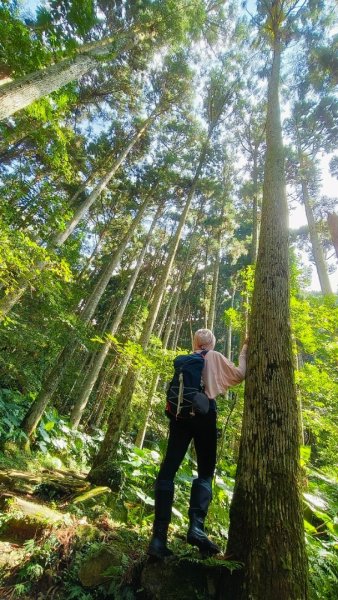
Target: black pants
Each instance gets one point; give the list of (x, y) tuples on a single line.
[(201, 429)]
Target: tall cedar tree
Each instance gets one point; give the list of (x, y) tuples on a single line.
[(266, 523)]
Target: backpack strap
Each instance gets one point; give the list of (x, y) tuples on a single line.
[(180, 393)]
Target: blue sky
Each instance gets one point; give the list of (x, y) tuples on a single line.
[(29, 5)]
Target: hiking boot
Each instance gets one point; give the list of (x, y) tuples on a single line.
[(200, 498), (158, 544)]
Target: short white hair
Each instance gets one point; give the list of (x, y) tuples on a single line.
[(204, 339)]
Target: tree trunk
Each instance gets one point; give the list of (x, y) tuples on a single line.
[(61, 237), (266, 523), (100, 356), (229, 332), (332, 221), (178, 328), (20, 93), (254, 244), (101, 238), (147, 412), (214, 288), (176, 298), (107, 272), (101, 468), (103, 463), (38, 407), (317, 250), (53, 378), (11, 299), (104, 385), (165, 314)]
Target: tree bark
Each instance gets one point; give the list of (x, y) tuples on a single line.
[(317, 250), (266, 523), (214, 288), (332, 220), (254, 244), (229, 332), (20, 93), (147, 411)]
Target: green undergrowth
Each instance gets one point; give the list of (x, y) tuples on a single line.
[(120, 518)]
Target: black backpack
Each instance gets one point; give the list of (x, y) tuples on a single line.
[(185, 396)]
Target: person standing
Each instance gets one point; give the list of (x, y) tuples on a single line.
[(218, 375)]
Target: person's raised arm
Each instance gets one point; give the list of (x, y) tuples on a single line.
[(226, 372)]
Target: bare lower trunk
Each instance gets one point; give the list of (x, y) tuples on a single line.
[(266, 523), (34, 414)]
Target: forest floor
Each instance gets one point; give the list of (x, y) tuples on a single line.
[(62, 538)]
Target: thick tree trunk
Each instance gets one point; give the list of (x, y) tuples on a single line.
[(100, 356), (266, 524), (254, 244), (21, 93), (229, 331)]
